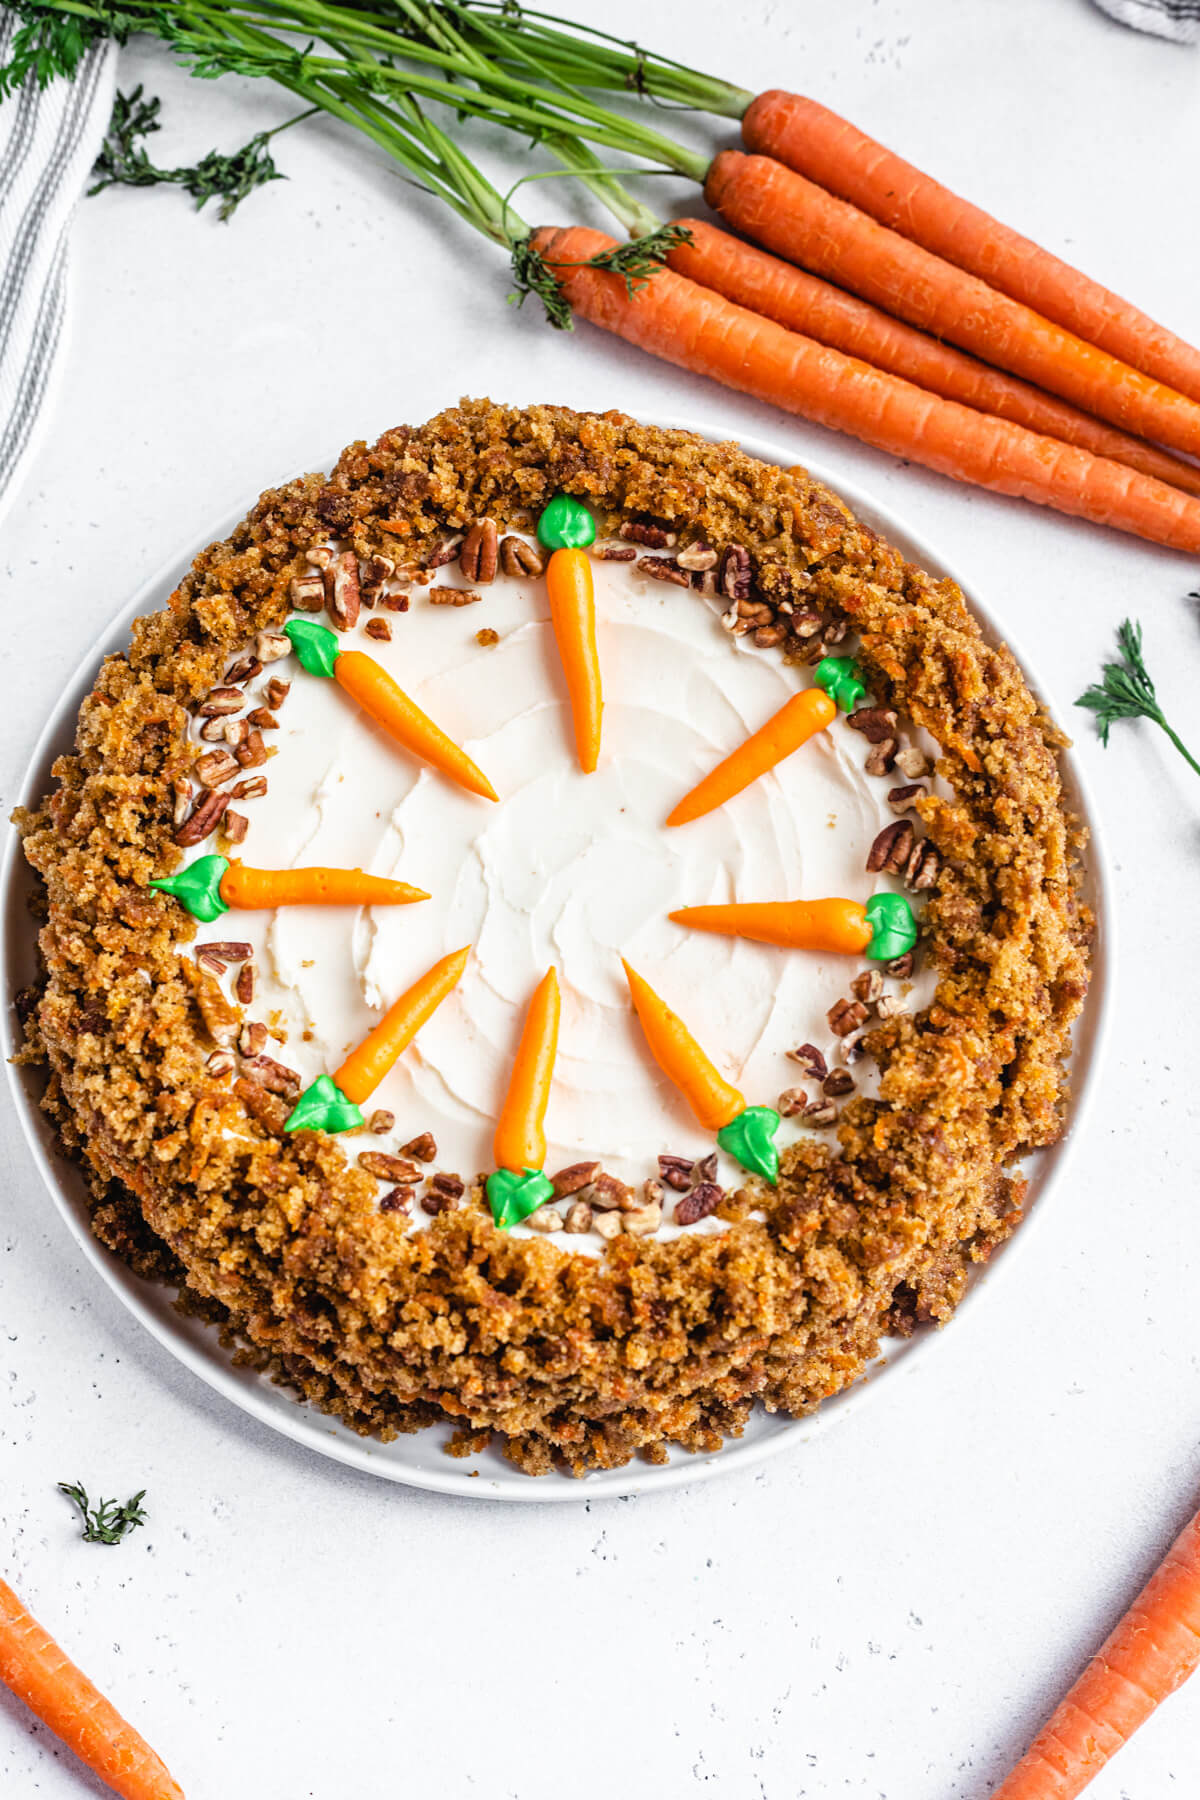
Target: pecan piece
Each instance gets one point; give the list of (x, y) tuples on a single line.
[(791, 1102), (252, 1040), (235, 827), (276, 1077), (644, 1220), (664, 568), (371, 577), (767, 636), (221, 702), (734, 578), (380, 630), (604, 1193), (641, 531), (698, 557), (396, 1200), (519, 558), (821, 1112), (206, 817), (676, 1171), (903, 799), (546, 1218), (892, 848), (480, 553), (388, 1168), (867, 987), (837, 1083), (900, 966), (214, 767), (880, 757), (811, 1060), (262, 720), (487, 637), (448, 596), (573, 1177), (579, 1217), (846, 1016), (924, 866), (273, 646), (251, 753), (875, 722), (253, 788), (699, 1204), (913, 762), (394, 602), (276, 692), (220, 1018), (243, 987), (221, 1062), (614, 553), (342, 593), (421, 1147), (606, 1224), (308, 595), (246, 668)]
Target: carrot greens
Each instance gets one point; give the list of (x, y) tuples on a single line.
[(109, 1521), (1125, 691)]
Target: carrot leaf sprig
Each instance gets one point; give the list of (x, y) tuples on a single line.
[(109, 1521), (1125, 691), (124, 162)]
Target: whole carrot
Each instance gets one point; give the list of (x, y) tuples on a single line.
[(212, 884), (573, 615), (675, 319), (520, 1140), (834, 153), (368, 682), (803, 302), (797, 720), (792, 216), (1149, 1654), (34, 1668)]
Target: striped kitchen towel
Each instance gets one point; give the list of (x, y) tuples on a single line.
[(49, 139), (1178, 20)]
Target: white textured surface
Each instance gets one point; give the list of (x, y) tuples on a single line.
[(887, 1612)]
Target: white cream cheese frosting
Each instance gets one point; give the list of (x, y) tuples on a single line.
[(567, 869)]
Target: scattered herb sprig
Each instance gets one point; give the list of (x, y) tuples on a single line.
[(109, 1521), (1125, 691)]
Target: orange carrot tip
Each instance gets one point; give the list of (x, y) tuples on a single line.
[(518, 1187), (882, 929), (797, 720), (209, 886), (747, 1133), (368, 682), (333, 1103), (34, 1668)]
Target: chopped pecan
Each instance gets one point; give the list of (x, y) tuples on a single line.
[(644, 1220), (220, 1018), (913, 762), (252, 1040), (487, 637), (243, 987), (276, 1077), (903, 799), (706, 1168), (221, 702), (845, 1016), (371, 577), (821, 1112), (604, 1193), (900, 966), (850, 1048), (881, 757), (806, 624), (767, 636), (221, 1062), (396, 1200), (606, 1224), (519, 558), (262, 720), (394, 602), (867, 987), (811, 1060), (251, 753), (388, 1168), (342, 594), (875, 722), (614, 553), (579, 1217), (276, 692), (891, 1006), (699, 1204), (448, 596), (421, 1147), (320, 555), (791, 1102), (182, 801), (204, 819), (837, 1083), (736, 571), (835, 630), (892, 848), (480, 552), (380, 630), (235, 732), (641, 531), (213, 730), (698, 556), (235, 827), (272, 646), (573, 1177), (676, 1171), (214, 767), (546, 1218), (246, 668), (444, 1183), (923, 866), (253, 788), (380, 1120), (664, 568), (308, 595)]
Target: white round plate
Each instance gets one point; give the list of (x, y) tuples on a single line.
[(419, 1460)]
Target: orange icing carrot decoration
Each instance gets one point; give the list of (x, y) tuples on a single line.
[(797, 720), (881, 929), (62, 1697), (369, 683), (746, 1132), (209, 886), (714, 1100), (333, 1103), (573, 615), (520, 1140), (518, 1185)]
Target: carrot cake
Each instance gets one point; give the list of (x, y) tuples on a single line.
[(332, 886)]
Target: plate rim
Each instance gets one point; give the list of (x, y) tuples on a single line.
[(319, 1432)]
